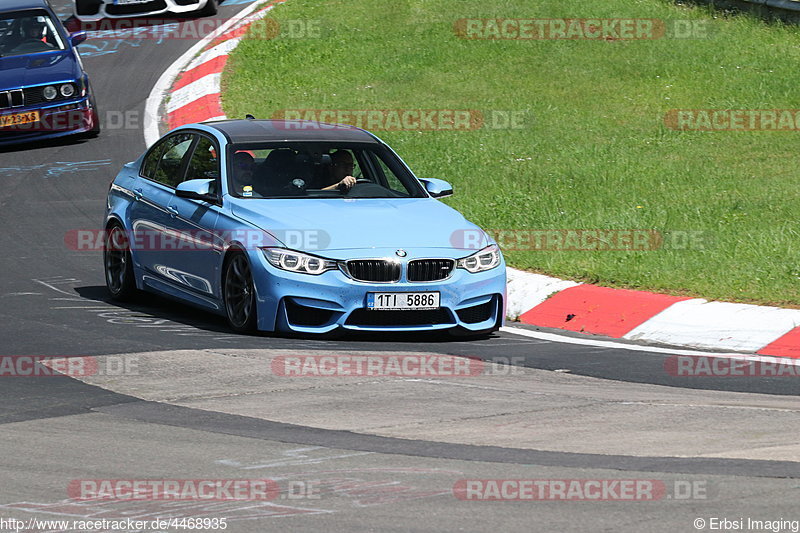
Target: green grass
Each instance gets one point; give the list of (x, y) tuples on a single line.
[(594, 146)]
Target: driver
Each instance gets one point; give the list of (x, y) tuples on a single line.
[(30, 30), (341, 171)]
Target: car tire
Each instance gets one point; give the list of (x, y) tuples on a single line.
[(211, 8), (238, 294), (117, 264)]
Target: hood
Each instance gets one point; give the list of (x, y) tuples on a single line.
[(38, 69), (348, 224)]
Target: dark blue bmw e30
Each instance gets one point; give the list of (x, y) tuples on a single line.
[(44, 90)]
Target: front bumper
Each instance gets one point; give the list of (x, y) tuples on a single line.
[(93, 11), (56, 120), (305, 303)]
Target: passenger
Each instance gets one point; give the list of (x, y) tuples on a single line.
[(341, 169), (32, 30), (244, 166), (277, 172)]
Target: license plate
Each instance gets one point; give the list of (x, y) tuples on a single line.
[(402, 300), (19, 118)]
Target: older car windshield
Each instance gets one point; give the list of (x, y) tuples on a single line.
[(318, 170), (28, 32)]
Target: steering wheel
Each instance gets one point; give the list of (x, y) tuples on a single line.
[(362, 180)]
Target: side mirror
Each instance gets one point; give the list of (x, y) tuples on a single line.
[(197, 190), (77, 38), (437, 188)]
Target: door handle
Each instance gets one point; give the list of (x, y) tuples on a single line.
[(173, 210), (138, 194)]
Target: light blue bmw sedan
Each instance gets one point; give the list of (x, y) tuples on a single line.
[(300, 227)]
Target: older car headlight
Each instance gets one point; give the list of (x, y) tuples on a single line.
[(292, 261), (50, 92), (67, 90), (486, 259)]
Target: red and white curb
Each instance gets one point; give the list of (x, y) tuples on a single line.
[(656, 318), (191, 89)]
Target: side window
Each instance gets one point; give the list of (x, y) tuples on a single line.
[(170, 161), (204, 163), (151, 161)]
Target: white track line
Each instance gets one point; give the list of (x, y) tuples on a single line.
[(552, 337)]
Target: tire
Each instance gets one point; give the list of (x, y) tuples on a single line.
[(238, 294), (210, 10), (118, 265)]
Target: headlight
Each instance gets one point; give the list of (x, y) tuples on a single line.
[(297, 261), (67, 90), (486, 259), (50, 92)]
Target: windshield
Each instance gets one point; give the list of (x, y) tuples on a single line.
[(318, 170), (28, 32)]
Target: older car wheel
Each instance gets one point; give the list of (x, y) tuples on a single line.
[(118, 265), (239, 294)]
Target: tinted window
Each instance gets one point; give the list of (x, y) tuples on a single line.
[(204, 163), (170, 160), (151, 161), (28, 32), (319, 170)]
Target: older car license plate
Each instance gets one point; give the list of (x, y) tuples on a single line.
[(403, 300), (19, 118)]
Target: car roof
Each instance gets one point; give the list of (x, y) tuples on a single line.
[(246, 131), (19, 5)]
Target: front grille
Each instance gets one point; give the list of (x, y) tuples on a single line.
[(374, 270), (133, 9), (300, 315), (9, 99), (430, 269), (33, 95), (476, 313), (424, 317)]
